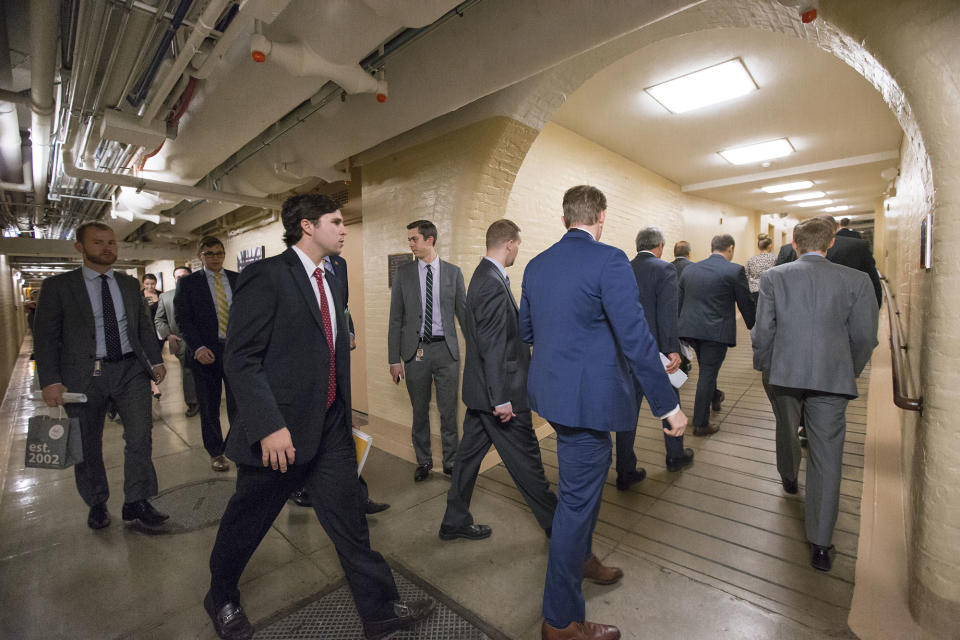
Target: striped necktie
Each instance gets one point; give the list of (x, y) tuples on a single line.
[(223, 309), (428, 307)]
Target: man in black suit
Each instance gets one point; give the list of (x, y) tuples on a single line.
[(845, 229), (202, 308), (495, 392), (681, 256), (94, 336), (709, 289), (288, 355), (848, 251), (657, 282)]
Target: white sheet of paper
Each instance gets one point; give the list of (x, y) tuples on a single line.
[(678, 377)]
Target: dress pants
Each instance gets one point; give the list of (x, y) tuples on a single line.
[(627, 457), (126, 386), (186, 378), (517, 444), (331, 479), (824, 417), (584, 455), (210, 382), (437, 367), (710, 357)]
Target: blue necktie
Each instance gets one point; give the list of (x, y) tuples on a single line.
[(111, 328)]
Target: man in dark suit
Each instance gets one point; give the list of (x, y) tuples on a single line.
[(845, 229), (591, 350), (288, 354), (94, 336), (847, 251), (422, 342), (167, 329), (495, 392), (202, 307), (681, 256), (709, 289), (816, 328), (657, 282)]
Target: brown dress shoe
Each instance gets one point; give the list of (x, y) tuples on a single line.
[(219, 463), (596, 571), (580, 631)]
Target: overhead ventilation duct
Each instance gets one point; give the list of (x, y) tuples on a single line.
[(44, 25)]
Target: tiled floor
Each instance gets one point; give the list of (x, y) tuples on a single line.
[(716, 551)]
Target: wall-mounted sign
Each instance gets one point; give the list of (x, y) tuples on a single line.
[(249, 256), (394, 262)]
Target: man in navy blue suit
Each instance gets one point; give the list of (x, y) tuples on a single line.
[(591, 350)]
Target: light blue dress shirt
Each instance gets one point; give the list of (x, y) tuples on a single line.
[(437, 319), (92, 279)]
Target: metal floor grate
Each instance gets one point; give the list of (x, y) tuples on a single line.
[(333, 616), (193, 506)]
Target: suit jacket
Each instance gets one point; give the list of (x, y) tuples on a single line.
[(591, 345), (277, 358), (406, 313), (850, 252), (850, 233), (496, 362), (657, 282), (680, 264), (66, 345), (195, 310), (814, 327), (340, 278), (708, 291), (165, 319)]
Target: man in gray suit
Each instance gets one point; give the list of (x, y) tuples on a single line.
[(422, 341), (495, 392), (94, 336), (708, 291), (167, 329), (816, 328)]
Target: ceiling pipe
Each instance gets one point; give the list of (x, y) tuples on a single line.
[(13, 97), (44, 29), (300, 60), (196, 193), (205, 24)]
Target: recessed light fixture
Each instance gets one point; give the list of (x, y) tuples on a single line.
[(838, 208), (757, 152), (806, 195), (787, 186), (815, 203), (719, 83)]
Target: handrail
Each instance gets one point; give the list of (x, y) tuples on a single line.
[(900, 397)]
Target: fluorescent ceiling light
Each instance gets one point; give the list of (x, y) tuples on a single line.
[(842, 207), (806, 195), (719, 83), (815, 203), (757, 152), (787, 186)]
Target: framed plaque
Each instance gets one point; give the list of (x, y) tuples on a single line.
[(394, 262), (249, 256)]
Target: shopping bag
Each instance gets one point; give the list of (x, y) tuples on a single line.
[(53, 442)]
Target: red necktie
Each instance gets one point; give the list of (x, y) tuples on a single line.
[(328, 331)]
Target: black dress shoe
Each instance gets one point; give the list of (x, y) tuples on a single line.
[(229, 620), (374, 507), (717, 403), (192, 410), (144, 512), (676, 464), (820, 557), (790, 486), (448, 471), (99, 517), (403, 615), (624, 480), (301, 498), (468, 531), (706, 430), (422, 472)]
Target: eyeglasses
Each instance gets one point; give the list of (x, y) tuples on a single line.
[(213, 254)]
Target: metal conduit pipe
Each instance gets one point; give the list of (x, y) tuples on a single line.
[(132, 76), (72, 170), (44, 27), (13, 97), (203, 28), (143, 85)]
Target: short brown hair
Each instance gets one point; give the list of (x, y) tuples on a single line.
[(425, 228), (96, 224), (501, 232), (813, 234), (722, 242), (681, 249), (209, 241), (582, 205), (833, 221)]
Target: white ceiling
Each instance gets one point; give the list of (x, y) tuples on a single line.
[(826, 109)]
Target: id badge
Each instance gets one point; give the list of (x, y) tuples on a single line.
[(419, 355)]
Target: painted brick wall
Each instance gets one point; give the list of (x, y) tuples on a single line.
[(12, 323)]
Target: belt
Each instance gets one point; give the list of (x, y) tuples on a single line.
[(126, 356), (431, 339)]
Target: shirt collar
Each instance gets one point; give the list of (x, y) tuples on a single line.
[(90, 274), (210, 272), (500, 267), (434, 264), (308, 265), (586, 231)]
